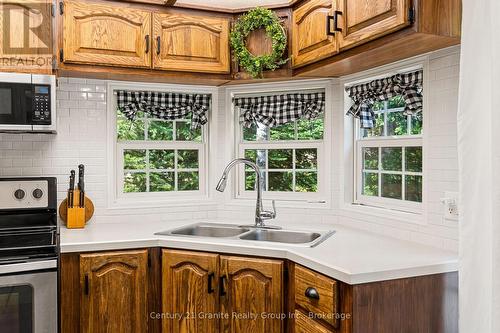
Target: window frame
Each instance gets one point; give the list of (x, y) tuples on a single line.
[(321, 198), (396, 205), (116, 198)]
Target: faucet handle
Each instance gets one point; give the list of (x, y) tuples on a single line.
[(274, 209), (267, 215)]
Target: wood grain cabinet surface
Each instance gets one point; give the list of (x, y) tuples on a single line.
[(110, 35), (114, 292), (191, 43), (362, 21), (190, 288), (310, 39)]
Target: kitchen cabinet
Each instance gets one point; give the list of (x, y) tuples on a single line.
[(189, 287), (305, 324), (253, 287), (114, 295), (361, 21), (191, 43), (106, 35), (311, 38)]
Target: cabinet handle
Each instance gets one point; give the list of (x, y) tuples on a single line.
[(158, 45), (336, 21), (312, 293), (329, 31), (222, 290), (86, 284), (147, 44), (210, 279)]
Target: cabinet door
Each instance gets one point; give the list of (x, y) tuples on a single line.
[(251, 289), (191, 43), (310, 39), (362, 20), (305, 324), (190, 291), (115, 292), (106, 35)]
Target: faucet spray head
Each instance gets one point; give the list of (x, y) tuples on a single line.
[(221, 185)]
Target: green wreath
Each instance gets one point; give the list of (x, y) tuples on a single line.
[(255, 19)]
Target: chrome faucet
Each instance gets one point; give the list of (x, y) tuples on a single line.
[(260, 214)]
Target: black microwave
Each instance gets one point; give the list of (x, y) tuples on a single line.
[(27, 103)]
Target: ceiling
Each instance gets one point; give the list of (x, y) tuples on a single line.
[(234, 4)]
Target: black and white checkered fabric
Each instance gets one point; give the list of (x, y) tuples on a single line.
[(162, 105), (276, 110), (408, 85)]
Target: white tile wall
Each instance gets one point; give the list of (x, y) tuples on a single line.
[(81, 138)]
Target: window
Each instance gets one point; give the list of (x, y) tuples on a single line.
[(158, 156), (289, 155), (389, 158)]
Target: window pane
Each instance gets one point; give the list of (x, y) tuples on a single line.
[(378, 128), (306, 158), (257, 156), (280, 181), (250, 180), (161, 159), (134, 159), (283, 132), (250, 134), (161, 181), (396, 102), (306, 182), (280, 159), (161, 130), (413, 159), (413, 189), (184, 132), (397, 123), (129, 130), (370, 158), (310, 129), (370, 184), (391, 186), (134, 182), (187, 181), (392, 158), (187, 159), (416, 124)]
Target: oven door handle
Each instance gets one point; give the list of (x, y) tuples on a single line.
[(28, 266)]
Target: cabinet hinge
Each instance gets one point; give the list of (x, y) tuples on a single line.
[(61, 7), (54, 64), (86, 286), (53, 10), (411, 14), (61, 55), (149, 259)]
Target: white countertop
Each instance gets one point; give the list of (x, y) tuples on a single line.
[(350, 255)]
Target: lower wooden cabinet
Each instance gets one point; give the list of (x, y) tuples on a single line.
[(305, 324)]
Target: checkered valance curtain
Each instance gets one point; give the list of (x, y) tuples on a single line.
[(279, 109), (169, 106), (409, 85)]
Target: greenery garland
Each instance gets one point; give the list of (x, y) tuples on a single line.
[(255, 19)]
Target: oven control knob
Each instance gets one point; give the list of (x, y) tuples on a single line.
[(37, 193), (19, 194)]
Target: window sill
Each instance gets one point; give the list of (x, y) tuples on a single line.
[(281, 203), (359, 211), (134, 203)]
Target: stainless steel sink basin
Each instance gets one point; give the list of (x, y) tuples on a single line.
[(285, 236), (206, 230), (243, 233)]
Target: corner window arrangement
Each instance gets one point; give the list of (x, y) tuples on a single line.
[(160, 141), (388, 157), (284, 135)]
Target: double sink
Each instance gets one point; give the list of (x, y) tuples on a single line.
[(231, 231)]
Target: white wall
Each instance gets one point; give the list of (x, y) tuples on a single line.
[(81, 138)]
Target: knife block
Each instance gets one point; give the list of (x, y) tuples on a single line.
[(76, 214)]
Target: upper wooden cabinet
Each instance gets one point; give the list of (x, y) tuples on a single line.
[(191, 43), (311, 41), (189, 286), (362, 21), (114, 292), (106, 35), (251, 286)]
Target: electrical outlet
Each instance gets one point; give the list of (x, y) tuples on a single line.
[(451, 205)]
